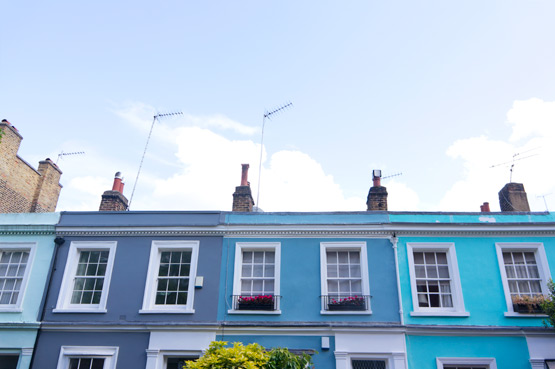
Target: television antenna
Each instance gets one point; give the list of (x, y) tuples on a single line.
[(545, 202), (62, 154), (516, 157), (267, 115), (393, 175), (155, 117)]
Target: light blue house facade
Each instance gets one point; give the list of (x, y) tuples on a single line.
[(313, 282), (460, 274), (26, 250)]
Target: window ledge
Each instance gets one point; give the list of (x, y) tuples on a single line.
[(255, 312), (166, 311), (510, 314), (93, 311), (462, 314), (10, 310), (327, 312)]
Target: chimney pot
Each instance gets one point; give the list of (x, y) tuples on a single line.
[(485, 208), (242, 198), (245, 174), (118, 186)]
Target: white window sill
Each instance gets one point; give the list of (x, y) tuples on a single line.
[(257, 312), (345, 312), (510, 314), (166, 311), (10, 310), (71, 310), (440, 313)]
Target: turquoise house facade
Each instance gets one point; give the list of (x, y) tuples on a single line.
[(461, 276), (320, 283), (26, 250)]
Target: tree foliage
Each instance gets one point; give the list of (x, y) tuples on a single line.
[(282, 358), (548, 305), (252, 356)]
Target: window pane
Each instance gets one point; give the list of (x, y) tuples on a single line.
[(258, 257), (430, 257), (354, 257), (420, 271), (368, 364), (419, 258), (246, 271), (342, 257), (344, 271), (247, 257), (270, 257)]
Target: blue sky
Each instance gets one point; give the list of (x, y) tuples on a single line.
[(437, 90)]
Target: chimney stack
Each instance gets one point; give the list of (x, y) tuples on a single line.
[(114, 200), (512, 197), (377, 196), (485, 208), (242, 197)]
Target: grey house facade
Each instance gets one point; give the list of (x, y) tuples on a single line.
[(131, 290)]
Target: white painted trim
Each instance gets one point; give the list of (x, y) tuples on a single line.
[(344, 246), (66, 288), (440, 312), (257, 312), (543, 270), (394, 240), (240, 247), (109, 353), (149, 296), (19, 246), (458, 300), (489, 361)]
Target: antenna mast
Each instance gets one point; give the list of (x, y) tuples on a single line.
[(516, 157), (393, 175), (267, 114), (62, 154), (157, 116)]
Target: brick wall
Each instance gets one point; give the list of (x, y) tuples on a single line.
[(22, 188)]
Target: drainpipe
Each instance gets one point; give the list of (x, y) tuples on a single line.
[(58, 241), (393, 239)]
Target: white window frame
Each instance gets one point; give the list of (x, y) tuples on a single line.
[(359, 246), (64, 304), (456, 289), (108, 353), (489, 362), (241, 247), (543, 270), (26, 247), (156, 249)]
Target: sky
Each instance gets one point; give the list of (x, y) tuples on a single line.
[(446, 93)]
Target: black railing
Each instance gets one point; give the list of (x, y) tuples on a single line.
[(346, 302), (256, 302)]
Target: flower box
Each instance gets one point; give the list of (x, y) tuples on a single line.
[(527, 308), (260, 302), (338, 307), (243, 306), (351, 303), (528, 304)]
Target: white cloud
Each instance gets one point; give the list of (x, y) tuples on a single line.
[(532, 138), (401, 197)]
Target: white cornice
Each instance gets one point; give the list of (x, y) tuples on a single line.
[(34, 230), (322, 230)]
